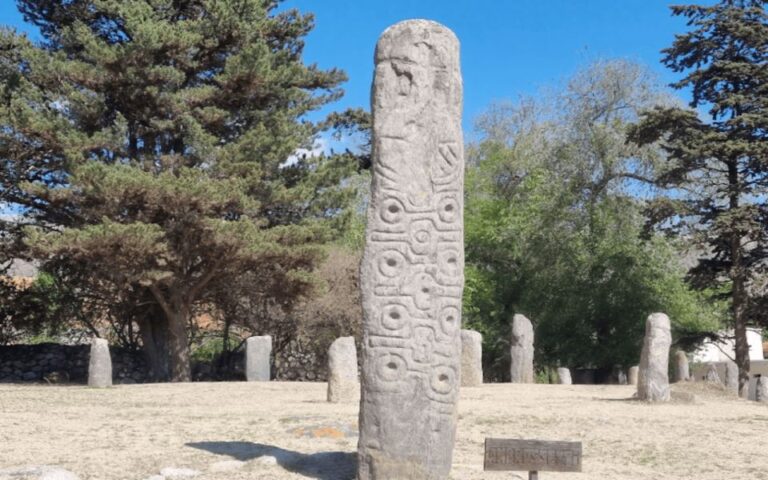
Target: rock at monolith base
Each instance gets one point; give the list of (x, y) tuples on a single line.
[(258, 355), (521, 350), (412, 268), (732, 377), (632, 375), (653, 377), (471, 358), (342, 370), (761, 389), (100, 364), (682, 371), (564, 376), (712, 375)]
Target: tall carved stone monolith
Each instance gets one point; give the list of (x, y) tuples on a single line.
[(412, 268), (682, 371), (632, 374), (342, 370), (258, 358), (653, 376), (471, 358), (521, 350), (100, 364), (564, 376)]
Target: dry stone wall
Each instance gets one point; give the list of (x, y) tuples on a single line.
[(54, 363)]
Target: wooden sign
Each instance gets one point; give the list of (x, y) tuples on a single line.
[(532, 455)]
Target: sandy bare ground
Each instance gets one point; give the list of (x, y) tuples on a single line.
[(287, 431)]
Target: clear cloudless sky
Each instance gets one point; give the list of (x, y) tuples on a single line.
[(508, 47)]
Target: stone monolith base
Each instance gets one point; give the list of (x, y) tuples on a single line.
[(411, 275), (653, 377), (258, 358), (521, 350), (471, 358), (100, 364), (342, 370)]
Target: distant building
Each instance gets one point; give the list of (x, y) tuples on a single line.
[(724, 350)]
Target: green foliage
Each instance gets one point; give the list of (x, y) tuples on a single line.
[(151, 146), (553, 228), (715, 182)]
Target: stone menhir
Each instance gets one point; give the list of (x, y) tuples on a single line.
[(100, 364), (471, 358), (258, 358), (632, 375), (653, 376), (564, 376), (342, 370), (521, 350), (682, 371), (411, 274), (761, 389), (712, 376), (732, 378)]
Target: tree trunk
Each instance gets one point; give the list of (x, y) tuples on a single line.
[(181, 369), (740, 333), (738, 292), (154, 337)]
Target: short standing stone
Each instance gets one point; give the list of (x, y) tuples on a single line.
[(411, 274), (471, 358), (100, 364), (258, 355), (712, 376), (732, 377), (761, 389), (632, 375), (564, 376), (342, 370), (653, 377), (682, 372), (521, 350)]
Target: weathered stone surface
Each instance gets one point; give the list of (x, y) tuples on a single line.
[(632, 374), (564, 376), (342, 370), (100, 364), (258, 354), (712, 375), (471, 358), (653, 377), (682, 371), (761, 389), (412, 268), (521, 350), (732, 377)]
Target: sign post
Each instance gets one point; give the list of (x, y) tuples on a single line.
[(532, 455)]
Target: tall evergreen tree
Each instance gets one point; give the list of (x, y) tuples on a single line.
[(718, 169), (150, 145)]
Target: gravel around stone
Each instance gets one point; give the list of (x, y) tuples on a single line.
[(248, 431)]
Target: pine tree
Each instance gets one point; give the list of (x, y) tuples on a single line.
[(150, 144), (718, 169)]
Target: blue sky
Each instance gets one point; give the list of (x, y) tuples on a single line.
[(509, 47)]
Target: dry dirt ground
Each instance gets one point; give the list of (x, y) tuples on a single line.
[(239, 431)]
